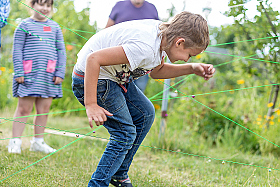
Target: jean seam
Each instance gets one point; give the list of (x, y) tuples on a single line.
[(103, 99), (135, 143), (118, 152)]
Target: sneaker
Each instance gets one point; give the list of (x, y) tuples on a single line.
[(41, 146), (123, 183), (14, 146)]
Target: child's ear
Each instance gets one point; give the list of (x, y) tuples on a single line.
[(180, 41)]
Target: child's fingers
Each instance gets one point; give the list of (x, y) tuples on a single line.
[(107, 113), (90, 122)]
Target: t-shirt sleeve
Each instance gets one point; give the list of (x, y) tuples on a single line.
[(138, 54), (19, 42), (114, 12)]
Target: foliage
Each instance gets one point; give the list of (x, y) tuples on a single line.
[(264, 25)]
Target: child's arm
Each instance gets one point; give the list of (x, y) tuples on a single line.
[(166, 70), (104, 57), (61, 58), (19, 42)]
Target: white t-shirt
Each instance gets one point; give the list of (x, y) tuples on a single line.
[(141, 43)]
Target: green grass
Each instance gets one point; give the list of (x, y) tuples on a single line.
[(74, 164)]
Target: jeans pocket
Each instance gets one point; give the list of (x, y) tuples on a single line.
[(102, 89), (51, 66), (27, 66)]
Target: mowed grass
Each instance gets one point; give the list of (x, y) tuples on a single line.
[(74, 164)]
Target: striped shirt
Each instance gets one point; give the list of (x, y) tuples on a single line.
[(38, 56)]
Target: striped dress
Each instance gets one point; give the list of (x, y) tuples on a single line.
[(38, 56)]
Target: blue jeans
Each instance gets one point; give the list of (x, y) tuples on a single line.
[(142, 82), (133, 116)]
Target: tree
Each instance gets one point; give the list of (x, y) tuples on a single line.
[(264, 25)]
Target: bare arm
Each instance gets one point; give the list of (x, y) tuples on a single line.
[(105, 57), (110, 23), (166, 70)]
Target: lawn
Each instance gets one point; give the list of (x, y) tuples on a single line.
[(78, 156)]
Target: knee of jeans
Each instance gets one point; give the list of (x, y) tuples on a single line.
[(130, 138), (124, 143)]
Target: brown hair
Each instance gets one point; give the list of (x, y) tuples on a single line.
[(32, 2), (192, 27)]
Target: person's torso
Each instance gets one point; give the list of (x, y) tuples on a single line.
[(141, 42), (126, 11), (40, 40)]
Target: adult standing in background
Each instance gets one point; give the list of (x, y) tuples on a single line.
[(133, 10), (4, 13)]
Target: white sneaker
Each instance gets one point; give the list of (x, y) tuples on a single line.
[(14, 146), (41, 146)]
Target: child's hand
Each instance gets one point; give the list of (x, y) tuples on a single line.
[(20, 79), (204, 70), (57, 80), (97, 113)]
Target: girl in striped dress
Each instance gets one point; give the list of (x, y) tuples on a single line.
[(39, 65)]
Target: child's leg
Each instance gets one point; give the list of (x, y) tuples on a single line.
[(142, 111), (24, 108), (42, 106), (121, 128)]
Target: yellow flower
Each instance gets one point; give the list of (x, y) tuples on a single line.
[(156, 106), (10, 71), (278, 120), (278, 112), (264, 116), (160, 80), (259, 119), (271, 123), (259, 123), (198, 56), (241, 81), (269, 105), (3, 69), (272, 117), (260, 116), (261, 126), (3, 81)]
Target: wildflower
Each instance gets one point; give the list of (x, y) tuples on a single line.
[(69, 47), (272, 117), (241, 81), (2, 69), (160, 80), (269, 105), (271, 123), (259, 123), (278, 112), (198, 56), (156, 106), (259, 119)]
